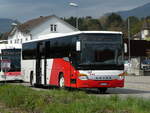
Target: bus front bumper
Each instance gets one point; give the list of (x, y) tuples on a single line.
[(98, 84)]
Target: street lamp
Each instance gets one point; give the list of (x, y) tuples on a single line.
[(75, 5)]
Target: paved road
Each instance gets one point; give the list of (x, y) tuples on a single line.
[(138, 86)]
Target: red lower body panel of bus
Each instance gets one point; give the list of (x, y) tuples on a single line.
[(98, 84), (12, 73)]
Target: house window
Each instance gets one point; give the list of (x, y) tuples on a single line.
[(18, 41), (30, 36), (10, 41), (53, 27), (21, 41)]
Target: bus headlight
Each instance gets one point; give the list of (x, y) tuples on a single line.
[(83, 77), (82, 74)]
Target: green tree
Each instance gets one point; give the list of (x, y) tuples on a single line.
[(135, 25), (103, 21), (85, 23), (91, 24), (1, 36), (114, 22), (71, 20)]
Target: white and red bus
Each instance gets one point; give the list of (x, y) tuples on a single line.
[(87, 59), (10, 62)]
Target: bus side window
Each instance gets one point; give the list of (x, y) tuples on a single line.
[(47, 49)]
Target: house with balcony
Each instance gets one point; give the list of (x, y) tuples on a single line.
[(145, 32)]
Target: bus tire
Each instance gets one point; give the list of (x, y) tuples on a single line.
[(61, 81), (102, 90), (31, 78)]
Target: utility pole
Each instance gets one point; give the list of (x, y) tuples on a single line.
[(129, 44), (76, 6)]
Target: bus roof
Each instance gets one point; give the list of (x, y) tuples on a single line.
[(57, 35), (10, 46)]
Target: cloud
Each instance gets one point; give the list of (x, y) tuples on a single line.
[(27, 9)]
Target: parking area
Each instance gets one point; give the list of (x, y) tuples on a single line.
[(137, 86)]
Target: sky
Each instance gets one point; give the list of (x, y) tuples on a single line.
[(24, 10)]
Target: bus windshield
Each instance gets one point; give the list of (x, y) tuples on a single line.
[(101, 50), (101, 53), (13, 55)]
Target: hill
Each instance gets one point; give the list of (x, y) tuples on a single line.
[(141, 11), (5, 24)]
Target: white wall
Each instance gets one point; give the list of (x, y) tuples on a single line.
[(44, 28), (18, 38)]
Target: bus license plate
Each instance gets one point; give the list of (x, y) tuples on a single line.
[(103, 84)]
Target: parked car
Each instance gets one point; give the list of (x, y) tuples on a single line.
[(145, 65)]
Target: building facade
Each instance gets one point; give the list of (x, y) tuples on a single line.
[(34, 28), (145, 32)]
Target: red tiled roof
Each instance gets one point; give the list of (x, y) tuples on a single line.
[(27, 26)]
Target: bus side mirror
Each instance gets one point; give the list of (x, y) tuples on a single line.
[(125, 48), (78, 46)]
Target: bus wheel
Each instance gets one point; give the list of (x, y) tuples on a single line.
[(31, 78), (61, 81), (102, 90)]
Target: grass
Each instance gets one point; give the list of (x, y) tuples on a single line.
[(63, 101)]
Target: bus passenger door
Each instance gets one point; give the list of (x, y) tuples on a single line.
[(47, 64), (39, 53), (43, 64)]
